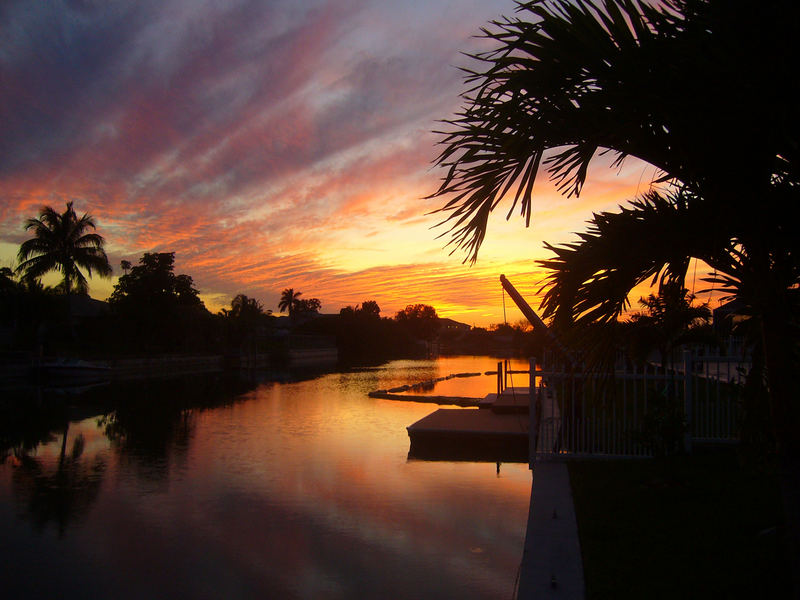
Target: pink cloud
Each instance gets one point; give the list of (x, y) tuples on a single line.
[(256, 143)]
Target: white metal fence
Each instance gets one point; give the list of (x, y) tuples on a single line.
[(638, 412)]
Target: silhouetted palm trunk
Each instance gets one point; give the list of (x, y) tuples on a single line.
[(63, 453), (71, 330)]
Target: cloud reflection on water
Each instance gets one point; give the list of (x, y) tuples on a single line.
[(300, 490)]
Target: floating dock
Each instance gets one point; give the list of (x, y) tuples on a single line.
[(512, 400), (495, 432)]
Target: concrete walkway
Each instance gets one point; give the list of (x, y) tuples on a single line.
[(551, 561)]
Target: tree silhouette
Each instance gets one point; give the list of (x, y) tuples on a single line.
[(558, 89), (307, 305), (289, 301), (243, 321), (578, 79), (669, 320), (243, 307), (153, 283), (63, 243), (703, 90), (370, 308), (61, 495), (7, 280), (160, 306), (420, 320)]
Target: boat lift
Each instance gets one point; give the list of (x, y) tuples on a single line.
[(534, 320)]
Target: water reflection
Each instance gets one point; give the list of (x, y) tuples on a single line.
[(299, 489), (58, 491)]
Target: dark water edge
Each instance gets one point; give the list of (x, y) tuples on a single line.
[(32, 410)]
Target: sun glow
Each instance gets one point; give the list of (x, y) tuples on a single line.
[(268, 163)]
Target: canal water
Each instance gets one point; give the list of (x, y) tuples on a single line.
[(207, 488)]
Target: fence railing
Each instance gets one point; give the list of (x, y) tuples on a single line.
[(638, 411)]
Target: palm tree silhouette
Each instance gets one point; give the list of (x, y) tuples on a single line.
[(577, 80), (246, 308), (690, 87), (668, 321), (289, 301), (62, 242)]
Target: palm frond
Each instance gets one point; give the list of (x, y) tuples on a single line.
[(569, 80), (549, 84), (652, 238)]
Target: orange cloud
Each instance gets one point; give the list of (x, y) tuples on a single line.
[(268, 149)]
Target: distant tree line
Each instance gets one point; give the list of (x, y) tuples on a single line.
[(154, 310)]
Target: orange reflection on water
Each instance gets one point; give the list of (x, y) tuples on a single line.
[(297, 489)]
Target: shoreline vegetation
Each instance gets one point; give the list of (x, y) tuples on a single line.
[(141, 321), (547, 95)]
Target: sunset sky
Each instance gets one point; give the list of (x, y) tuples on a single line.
[(269, 144)]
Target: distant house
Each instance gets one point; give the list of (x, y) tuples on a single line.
[(82, 307), (451, 326)]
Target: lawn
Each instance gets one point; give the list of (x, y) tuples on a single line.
[(701, 526)]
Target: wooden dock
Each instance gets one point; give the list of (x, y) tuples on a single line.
[(512, 400), (496, 432)]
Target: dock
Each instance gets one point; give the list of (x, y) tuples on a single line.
[(495, 432), (512, 400), (551, 565)]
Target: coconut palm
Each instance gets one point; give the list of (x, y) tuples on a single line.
[(62, 494), (289, 301), (63, 243), (668, 321), (246, 308)]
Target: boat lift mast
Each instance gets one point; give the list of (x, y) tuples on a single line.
[(534, 320)]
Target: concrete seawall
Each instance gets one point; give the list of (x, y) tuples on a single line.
[(312, 357), (156, 366), (164, 366), (161, 366)]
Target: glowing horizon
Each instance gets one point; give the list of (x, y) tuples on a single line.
[(268, 146)]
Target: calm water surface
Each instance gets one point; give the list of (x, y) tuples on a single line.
[(203, 489)]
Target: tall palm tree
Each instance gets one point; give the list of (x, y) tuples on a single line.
[(289, 301), (701, 89), (64, 243)]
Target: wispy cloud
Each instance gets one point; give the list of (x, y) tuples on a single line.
[(268, 144)]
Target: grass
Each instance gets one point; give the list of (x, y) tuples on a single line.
[(679, 527)]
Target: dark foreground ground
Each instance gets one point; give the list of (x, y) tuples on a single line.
[(706, 526)]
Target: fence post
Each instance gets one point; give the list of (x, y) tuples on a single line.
[(688, 368), (533, 421)]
